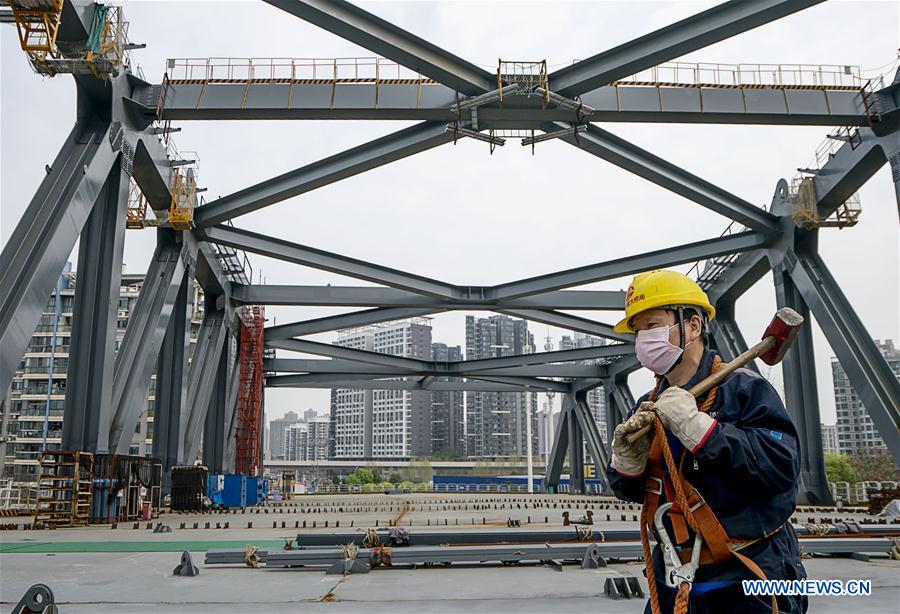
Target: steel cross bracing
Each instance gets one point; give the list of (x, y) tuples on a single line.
[(450, 98)]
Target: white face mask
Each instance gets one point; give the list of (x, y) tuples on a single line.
[(655, 351)]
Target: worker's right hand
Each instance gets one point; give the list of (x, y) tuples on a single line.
[(630, 459)]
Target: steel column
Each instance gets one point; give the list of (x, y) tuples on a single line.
[(215, 427), (872, 378), (558, 453), (92, 354), (801, 394), (202, 375), (171, 385), (592, 437), (33, 258), (144, 336)]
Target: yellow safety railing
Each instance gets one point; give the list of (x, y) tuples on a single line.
[(136, 211), (776, 75), (356, 69), (37, 24), (184, 198)]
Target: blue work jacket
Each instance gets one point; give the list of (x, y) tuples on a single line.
[(746, 469)]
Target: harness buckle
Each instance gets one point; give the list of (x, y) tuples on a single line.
[(700, 500), (677, 573), (659, 488)]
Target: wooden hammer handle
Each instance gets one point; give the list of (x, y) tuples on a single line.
[(714, 379)]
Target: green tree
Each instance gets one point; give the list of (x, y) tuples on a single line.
[(839, 469), (353, 479), (395, 478), (418, 470), (876, 466)]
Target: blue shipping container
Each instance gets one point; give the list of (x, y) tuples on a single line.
[(235, 492), (252, 490)]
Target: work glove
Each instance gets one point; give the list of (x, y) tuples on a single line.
[(677, 410), (631, 458)]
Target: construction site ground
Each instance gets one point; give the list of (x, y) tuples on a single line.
[(126, 569)]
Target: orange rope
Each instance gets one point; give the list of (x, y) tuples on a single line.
[(681, 600)]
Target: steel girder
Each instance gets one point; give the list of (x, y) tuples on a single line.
[(231, 399), (137, 355), (346, 320), (644, 164), (88, 405), (37, 250), (621, 267), (561, 441), (171, 386), (325, 261), (406, 142), (216, 425), (448, 369), (192, 100), (361, 296), (802, 399), (304, 365), (591, 435), (297, 381), (696, 32), (872, 378), (204, 370), (385, 39)]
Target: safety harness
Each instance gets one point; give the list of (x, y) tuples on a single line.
[(688, 510)]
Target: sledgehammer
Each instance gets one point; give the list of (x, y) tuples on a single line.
[(777, 339)]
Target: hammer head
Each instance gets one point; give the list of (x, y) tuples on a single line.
[(784, 328)]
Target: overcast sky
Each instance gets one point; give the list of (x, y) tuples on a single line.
[(458, 214)]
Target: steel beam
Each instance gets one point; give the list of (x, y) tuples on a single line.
[(345, 320), (137, 355), (557, 457), (204, 370), (539, 358), (326, 261), (40, 245), (592, 437), (413, 100), (335, 351), (877, 387), (644, 164), (851, 166), (387, 40), (360, 383), (361, 296), (621, 267), (564, 320), (231, 399), (680, 38), (802, 401), (215, 427), (395, 146), (576, 449), (171, 385), (95, 315), (303, 365)]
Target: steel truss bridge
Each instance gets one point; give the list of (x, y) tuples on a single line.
[(120, 134)]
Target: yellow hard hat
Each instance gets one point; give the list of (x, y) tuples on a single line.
[(656, 289)]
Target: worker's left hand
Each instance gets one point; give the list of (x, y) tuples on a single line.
[(677, 409)]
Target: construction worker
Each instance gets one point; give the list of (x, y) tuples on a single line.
[(733, 468)]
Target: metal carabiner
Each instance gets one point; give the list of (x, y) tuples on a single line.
[(677, 573)]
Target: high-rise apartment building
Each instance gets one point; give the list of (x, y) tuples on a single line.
[(307, 440), (829, 438), (448, 434), (277, 428), (856, 433), (495, 421), (32, 417), (384, 423)]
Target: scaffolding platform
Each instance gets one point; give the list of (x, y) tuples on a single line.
[(65, 489)]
